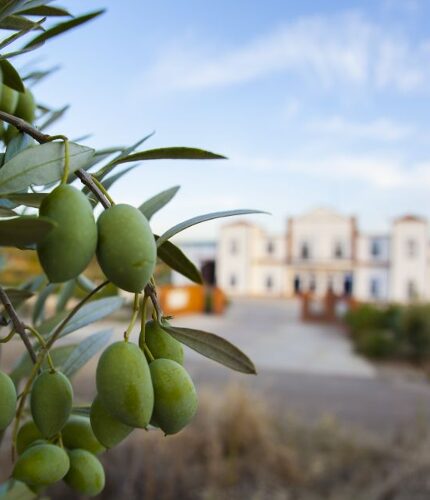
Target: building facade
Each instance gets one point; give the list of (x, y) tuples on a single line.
[(322, 251)]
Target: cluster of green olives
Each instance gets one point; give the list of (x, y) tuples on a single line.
[(20, 104), (121, 239), (136, 388), (55, 444), (138, 385), (131, 393)]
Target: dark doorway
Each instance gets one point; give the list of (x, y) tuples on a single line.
[(208, 272), (347, 285), (297, 285)]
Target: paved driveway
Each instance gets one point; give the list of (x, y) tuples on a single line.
[(271, 333)]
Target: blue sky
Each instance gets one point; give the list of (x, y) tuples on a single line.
[(314, 103)]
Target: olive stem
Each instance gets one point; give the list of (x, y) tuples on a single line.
[(143, 320), (148, 352), (8, 337), (151, 291), (102, 189), (18, 325), (66, 163), (133, 317), (43, 344)]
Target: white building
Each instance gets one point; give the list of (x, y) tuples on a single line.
[(324, 250)]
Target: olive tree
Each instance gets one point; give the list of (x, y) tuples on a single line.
[(61, 182)]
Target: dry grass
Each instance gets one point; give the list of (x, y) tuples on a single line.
[(238, 449)]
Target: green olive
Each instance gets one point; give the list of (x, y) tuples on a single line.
[(27, 434), (161, 344), (7, 400), (9, 100), (86, 474), (175, 398), (68, 248), (126, 248), (108, 430), (78, 434), (51, 402), (124, 384), (41, 465)]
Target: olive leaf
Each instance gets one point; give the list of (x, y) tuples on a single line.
[(8, 7), (203, 218), (7, 212), (84, 351), (41, 165), (213, 347), (65, 295), (45, 10), (24, 364), (11, 76), (16, 23), (172, 153), (173, 256), (62, 27), (12, 38), (53, 117), (89, 313), (18, 144), (104, 171), (22, 231), (27, 199), (17, 297), (39, 306), (157, 202)]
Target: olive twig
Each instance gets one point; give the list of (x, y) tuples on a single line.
[(18, 325), (133, 317)]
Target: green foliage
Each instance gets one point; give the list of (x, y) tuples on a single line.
[(64, 233), (391, 332)]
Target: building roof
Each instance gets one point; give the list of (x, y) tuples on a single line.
[(410, 218)]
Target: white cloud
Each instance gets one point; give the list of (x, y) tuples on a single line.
[(381, 172), (380, 129), (344, 48)]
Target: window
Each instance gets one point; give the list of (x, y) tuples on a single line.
[(411, 248), (305, 251), (338, 250), (375, 248), (233, 280), (412, 292), (312, 284), (233, 247), (374, 288), (270, 247), (269, 282)]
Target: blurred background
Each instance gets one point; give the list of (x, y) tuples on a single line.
[(322, 109)]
